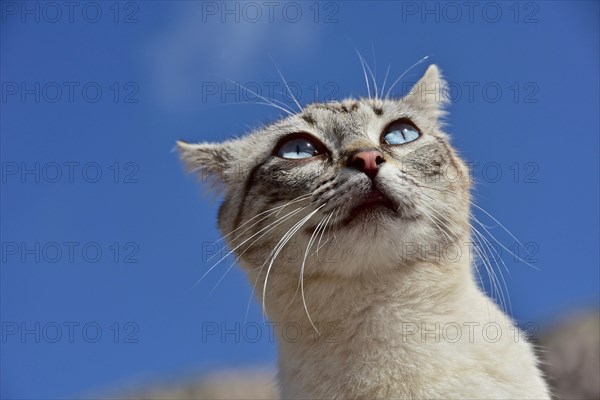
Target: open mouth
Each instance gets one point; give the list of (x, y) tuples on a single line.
[(374, 202)]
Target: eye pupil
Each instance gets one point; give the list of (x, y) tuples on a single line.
[(297, 148), (401, 133)]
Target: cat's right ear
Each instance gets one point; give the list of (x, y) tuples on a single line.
[(209, 161), (430, 94)]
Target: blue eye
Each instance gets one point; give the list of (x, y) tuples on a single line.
[(400, 133), (297, 148)]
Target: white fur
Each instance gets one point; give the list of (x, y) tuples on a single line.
[(375, 339)]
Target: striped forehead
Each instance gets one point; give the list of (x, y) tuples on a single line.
[(347, 107), (346, 120)]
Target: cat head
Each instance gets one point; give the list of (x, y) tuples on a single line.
[(367, 183)]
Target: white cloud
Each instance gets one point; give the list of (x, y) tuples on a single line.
[(196, 47)]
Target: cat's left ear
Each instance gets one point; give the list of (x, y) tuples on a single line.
[(210, 161), (430, 93)]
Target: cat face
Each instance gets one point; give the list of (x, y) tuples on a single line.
[(342, 188)]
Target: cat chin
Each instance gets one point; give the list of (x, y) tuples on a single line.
[(365, 246), (377, 239), (374, 218), (366, 215)]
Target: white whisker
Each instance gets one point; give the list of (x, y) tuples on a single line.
[(284, 240), (486, 243), (286, 84), (281, 107), (387, 95), (270, 212), (322, 232), (279, 221), (374, 74), (308, 246), (364, 72), (504, 247), (498, 222), (387, 71)]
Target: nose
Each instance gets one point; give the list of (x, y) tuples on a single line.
[(367, 161)]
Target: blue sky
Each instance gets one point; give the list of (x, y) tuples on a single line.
[(104, 235)]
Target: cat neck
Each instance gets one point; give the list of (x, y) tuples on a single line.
[(393, 334), (416, 291), (354, 318), (419, 287)]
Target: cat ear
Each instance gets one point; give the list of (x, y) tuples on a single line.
[(208, 160), (430, 93)]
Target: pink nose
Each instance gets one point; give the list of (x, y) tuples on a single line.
[(367, 161)]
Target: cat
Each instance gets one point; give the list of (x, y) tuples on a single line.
[(352, 221)]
